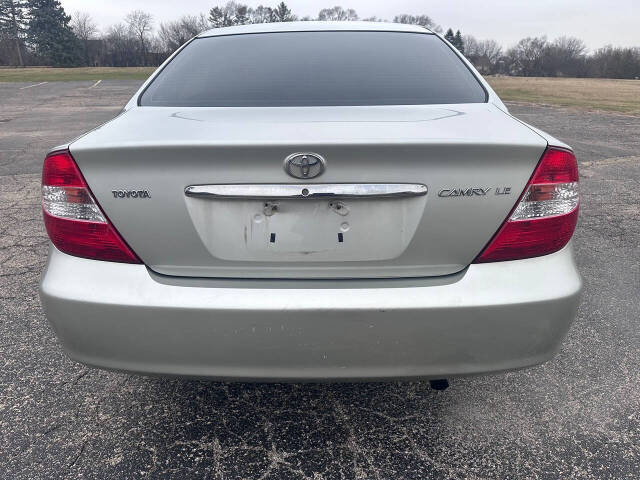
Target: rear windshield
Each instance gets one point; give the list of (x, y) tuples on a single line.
[(314, 69)]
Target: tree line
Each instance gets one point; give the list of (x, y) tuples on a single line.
[(40, 32)]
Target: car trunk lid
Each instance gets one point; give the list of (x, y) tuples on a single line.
[(468, 162)]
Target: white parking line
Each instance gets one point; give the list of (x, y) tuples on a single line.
[(31, 86), (95, 84)]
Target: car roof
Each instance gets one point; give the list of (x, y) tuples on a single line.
[(314, 27)]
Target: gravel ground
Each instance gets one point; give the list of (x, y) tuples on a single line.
[(574, 417)]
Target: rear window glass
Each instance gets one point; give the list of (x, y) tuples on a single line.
[(314, 69)]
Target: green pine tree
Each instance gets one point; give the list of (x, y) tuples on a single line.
[(450, 36), (13, 24), (459, 42), (50, 35), (221, 16), (283, 13)]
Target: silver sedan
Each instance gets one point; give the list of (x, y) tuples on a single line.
[(312, 201)]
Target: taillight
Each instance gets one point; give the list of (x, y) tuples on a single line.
[(545, 217), (75, 222)]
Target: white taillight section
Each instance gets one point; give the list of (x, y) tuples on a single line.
[(545, 217), (74, 203), (547, 200)]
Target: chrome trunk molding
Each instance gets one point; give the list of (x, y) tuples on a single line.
[(312, 190)]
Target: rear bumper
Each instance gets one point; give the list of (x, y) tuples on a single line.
[(490, 317)]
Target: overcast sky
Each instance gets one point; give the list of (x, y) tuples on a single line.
[(597, 22)]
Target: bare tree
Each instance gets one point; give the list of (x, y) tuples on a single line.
[(484, 54), (422, 20), (140, 24), (615, 62), (173, 34), (262, 14), (338, 14), (85, 29), (527, 57), (83, 26), (121, 46), (565, 56)]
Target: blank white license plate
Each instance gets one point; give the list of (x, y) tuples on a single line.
[(313, 230)]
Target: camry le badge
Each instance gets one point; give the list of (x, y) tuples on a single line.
[(473, 191), (304, 165)]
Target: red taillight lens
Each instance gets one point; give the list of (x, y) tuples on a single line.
[(546, 214), (556, 166), (75, 223)]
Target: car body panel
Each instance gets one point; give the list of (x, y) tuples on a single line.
[(128, 318), (445, 147)]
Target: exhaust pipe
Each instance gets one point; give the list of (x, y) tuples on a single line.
[(440, 384)]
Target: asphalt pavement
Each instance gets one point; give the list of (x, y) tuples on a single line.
[(576, 416)]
